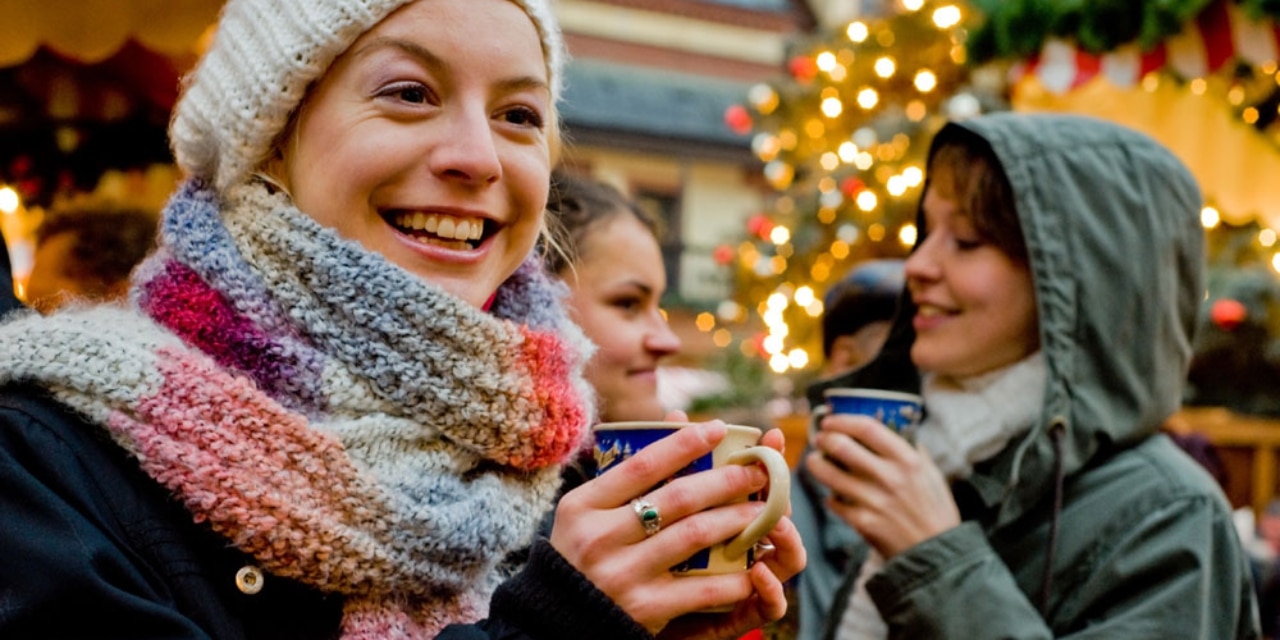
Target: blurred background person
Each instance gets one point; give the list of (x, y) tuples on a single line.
[(857, 315), (87, 252), (610, 259), (857, 311)]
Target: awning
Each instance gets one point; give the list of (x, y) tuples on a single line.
[(91, 31), (1183, 92)]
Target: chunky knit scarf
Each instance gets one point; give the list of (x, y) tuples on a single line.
[(347, 425)]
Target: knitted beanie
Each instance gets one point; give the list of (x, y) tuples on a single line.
[(265, 55)]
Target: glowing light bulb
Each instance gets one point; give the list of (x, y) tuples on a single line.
[(705, 322), (946, 17), (896, 186), (798, 358), (826, 61), (779, 363), (868, 98), (926, 81), (9, 201), (804, 296), (722, 337), (763, 98), (1209, 217), (773, 344), (832, 107), (766, 146), (847, 151), (857, 31), (885, 67), (867, 201), (907, 235), (913, 175)]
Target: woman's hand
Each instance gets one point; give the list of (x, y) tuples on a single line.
[(890, 492), (597, 531)]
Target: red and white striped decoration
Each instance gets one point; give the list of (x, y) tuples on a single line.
[(1220, 33)]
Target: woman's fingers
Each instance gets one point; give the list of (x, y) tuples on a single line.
[(650, 466), (689, 535), (775, 439), (788, 556), (600, 532), (771, 601), (872, 434), (849, 454), (766, 603)]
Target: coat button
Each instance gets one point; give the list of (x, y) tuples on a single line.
[(249, 580)]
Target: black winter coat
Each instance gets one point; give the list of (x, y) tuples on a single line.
[(94, 548)]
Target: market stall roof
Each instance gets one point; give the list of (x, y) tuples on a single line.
[(1207, 88), (91, 31), (1223, 33)]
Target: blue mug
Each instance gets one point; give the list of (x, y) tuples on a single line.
[(617, 441), (898, 411)]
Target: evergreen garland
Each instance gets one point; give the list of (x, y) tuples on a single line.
[(1019, 28)]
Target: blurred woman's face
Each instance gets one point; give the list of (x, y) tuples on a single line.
[(428, 142), (975, 306), (616, 286)]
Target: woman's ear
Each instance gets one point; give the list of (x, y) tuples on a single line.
[(844, 352)]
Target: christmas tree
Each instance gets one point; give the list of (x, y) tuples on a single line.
[(842, 137)]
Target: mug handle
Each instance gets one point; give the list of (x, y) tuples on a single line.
[(775, 505)]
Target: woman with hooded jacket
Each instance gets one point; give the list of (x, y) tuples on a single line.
[(1047, 322), (344, 388)]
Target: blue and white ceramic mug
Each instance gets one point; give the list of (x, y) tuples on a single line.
[(898, 411), (617, 441)]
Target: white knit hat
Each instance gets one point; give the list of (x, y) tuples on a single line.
[(264, 56)]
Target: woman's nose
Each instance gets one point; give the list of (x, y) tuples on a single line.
[(661, 339), (921, 264), (467, 150)]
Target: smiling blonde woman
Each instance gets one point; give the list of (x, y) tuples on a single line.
[(344, 389)]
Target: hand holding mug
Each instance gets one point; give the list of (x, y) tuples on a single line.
[(881, 485), (599, 530)]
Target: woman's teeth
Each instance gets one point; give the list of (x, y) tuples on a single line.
[(441, 230)]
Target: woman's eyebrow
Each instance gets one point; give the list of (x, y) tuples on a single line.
[(430, 59)]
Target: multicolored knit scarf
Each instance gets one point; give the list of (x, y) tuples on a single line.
[(330, 414)]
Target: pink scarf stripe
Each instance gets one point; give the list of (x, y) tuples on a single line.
[(544, 357), (368, 620), (257, 474), (204, 318)]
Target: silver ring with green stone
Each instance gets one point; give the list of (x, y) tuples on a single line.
[(648, 514)]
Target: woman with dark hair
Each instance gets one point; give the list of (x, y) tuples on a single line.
[(612, 263)]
